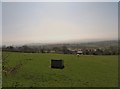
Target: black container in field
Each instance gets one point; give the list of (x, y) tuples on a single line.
[(57, 64)]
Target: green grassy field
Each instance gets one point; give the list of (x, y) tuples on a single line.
[(83, 71)]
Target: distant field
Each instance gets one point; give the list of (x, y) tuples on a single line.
[(83, 71)]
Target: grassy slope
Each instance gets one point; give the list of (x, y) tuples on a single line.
[(83, 71)]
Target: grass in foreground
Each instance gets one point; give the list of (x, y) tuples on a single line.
[(83, 71)]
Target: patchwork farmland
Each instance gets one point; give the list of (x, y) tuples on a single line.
[(34, 70)]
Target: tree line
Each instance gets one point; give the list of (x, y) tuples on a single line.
[(63, 50)]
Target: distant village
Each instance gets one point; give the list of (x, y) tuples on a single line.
[(64, 50)]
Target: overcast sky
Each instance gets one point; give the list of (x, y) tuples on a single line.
[(49, 22)]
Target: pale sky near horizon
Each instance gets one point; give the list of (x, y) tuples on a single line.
[(49, 22)]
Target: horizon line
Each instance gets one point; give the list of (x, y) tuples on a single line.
[(68, 42)]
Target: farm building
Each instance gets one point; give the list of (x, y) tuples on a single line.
[(52, 51), (79, 52)]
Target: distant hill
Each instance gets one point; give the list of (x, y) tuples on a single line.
[(101, 43), (79, 44)]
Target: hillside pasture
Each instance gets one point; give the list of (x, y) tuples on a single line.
[(83, 71)]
